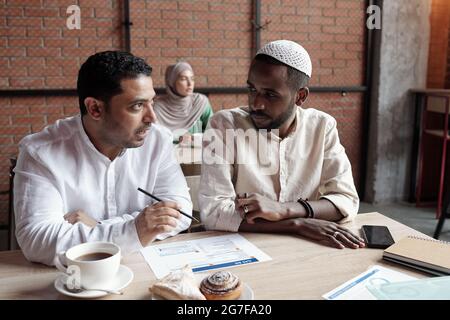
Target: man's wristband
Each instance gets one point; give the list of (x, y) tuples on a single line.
[(307, 206)]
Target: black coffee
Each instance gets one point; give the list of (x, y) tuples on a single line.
[(94, 256)]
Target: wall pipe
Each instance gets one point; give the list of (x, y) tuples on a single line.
[(204, 90), (256, 23), (127, 25), (370, 41)]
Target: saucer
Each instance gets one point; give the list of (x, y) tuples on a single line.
[(247, 294), (123, 278)]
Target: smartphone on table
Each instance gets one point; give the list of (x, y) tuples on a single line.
[(377, 236)]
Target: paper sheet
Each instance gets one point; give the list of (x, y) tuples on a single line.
[(355, 289), (202, 254)]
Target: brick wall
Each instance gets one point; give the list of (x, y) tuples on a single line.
[(439, 35), (38, 51), (216, 38)]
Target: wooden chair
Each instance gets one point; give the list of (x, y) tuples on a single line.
[(5, 227), (192, 174), (12, 240), (436, 104)]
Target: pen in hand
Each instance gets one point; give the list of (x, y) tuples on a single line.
[(158, 199)]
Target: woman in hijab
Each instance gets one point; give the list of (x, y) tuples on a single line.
[(181, 110)]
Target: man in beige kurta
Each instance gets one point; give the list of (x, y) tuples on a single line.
[(273, 166)]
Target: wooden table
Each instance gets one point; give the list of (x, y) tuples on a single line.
[(300, 269)]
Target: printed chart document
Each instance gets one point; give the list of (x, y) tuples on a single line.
[(356, 288), (202, 254)]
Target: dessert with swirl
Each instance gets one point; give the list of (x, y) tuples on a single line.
[(222, 285)]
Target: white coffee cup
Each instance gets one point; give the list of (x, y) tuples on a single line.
[(93, 264)]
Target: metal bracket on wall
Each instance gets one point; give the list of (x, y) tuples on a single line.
[(260, 26)]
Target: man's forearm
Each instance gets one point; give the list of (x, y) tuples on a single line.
[(323, 209), (264, 226)]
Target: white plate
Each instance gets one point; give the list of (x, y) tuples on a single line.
[(247, 294), (123, 279)]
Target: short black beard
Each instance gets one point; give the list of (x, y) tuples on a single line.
[(281, 120), (277, 123)]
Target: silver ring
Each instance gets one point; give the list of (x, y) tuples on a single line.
[(335, 234), (245, 209)]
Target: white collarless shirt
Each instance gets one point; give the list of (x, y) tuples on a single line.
[(309, 163), (59, 171)]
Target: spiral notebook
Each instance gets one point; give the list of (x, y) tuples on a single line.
[(428, 255)]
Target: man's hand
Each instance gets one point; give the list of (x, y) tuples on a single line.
[(258, 206), (161, 217), (80, 216), (328, 233)]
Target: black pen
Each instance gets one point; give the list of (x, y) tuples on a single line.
[(158, 199)]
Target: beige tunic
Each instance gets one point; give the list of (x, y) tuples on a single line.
[(309, 163)]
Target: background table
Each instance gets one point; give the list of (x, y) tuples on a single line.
[(418, 98), (299, 269)]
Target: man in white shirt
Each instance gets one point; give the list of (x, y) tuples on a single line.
[(76, 181), (263, 162)]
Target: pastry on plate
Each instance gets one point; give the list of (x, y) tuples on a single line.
[(222, 285), (178, 285)]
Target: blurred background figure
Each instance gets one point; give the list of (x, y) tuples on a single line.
[(181, 110)]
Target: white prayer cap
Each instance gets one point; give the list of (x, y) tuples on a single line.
[(290, 53)]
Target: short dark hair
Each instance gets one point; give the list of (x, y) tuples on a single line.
[(101, 73), (296, 79)]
